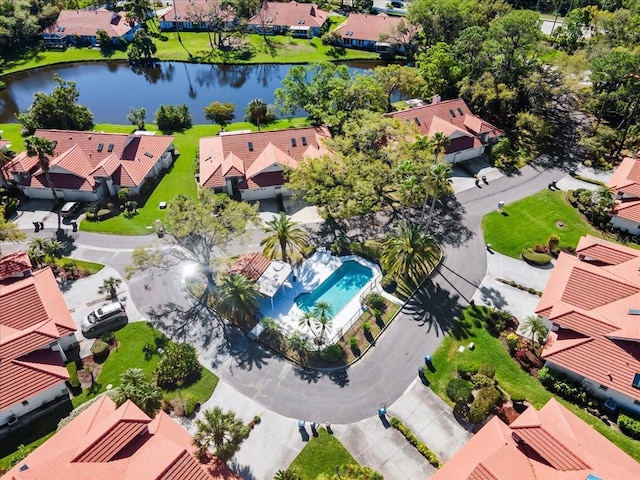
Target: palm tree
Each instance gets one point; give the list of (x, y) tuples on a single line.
[(440, 143), (308, 319), (42, 148), (283, 235), (322, 313), (238, 297), (534, 325), (287, 474), (271, 326), (408, 252), (109, 287), (220, 430), (437, 181), (134, 386), (257, 112), (44, 250)]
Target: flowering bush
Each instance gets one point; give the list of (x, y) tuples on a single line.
[(178, 362)]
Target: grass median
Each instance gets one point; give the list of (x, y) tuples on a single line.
[(532, 221), (321, 455)]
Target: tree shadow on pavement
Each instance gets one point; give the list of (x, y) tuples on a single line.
[(492, 297), (196, 324), (447, 226), (243, 471), (435, 307), (246, 354), (310, 375)]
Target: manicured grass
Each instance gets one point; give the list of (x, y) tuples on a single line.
[(532, 220), (12, 132), (90, 267), (511, 378), (130, 354), (321, 455), (195, 47)]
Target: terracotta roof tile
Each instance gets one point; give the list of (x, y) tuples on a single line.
[(592, 248), (221, 153), (363, 26), (84, 23), (14, 264), (557, 445), (449, 116), (588, 290), (627, 209), (251, 265), (187, 10), (21, 163), (289, 14), (626, 178), (106, 443)]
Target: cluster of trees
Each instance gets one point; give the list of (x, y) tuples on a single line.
[(21, 22)]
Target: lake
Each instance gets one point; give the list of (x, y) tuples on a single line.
[(109, 89)]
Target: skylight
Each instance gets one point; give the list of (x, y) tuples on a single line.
[(250, 145), (293, 142), (452, 113), (417, 120), (460, 111), (304, 140), (634, 311), (148, 154), (636, 380), (100, 147), (110, 147)]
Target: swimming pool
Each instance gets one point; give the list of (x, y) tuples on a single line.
[(339, 288)]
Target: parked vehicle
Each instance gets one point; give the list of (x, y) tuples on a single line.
[(69, 209), (396, 4), (108, 317)]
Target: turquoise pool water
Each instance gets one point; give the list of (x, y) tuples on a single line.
[(338, 290)]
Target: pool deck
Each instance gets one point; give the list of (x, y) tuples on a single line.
[(315, 270)]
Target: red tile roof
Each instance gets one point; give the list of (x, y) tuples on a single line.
[(188, 10), (230, 156), (548, 444), (454, 119), (82, 157), (626, 178), (14, 264), (4, 144), (34, 315), (251, 265), (21, 163), (105, 442), (85, 23), (592, 299), (361, 26), (291, 14), (627, 209)]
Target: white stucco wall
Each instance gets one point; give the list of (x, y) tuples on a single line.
[(66, 195), (463, 155), (33, 402), (264, 193), (625, 225)]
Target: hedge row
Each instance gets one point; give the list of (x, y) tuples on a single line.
[(630, 426), (561, 385), (413, 440), (535, 258)]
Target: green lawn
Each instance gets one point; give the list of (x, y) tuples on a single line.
[(321, 455), (532, 220), (511, 378), (273, 49), (130, 354), (90, 267)]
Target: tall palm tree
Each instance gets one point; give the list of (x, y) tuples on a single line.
[(438, 184), (43, 148), (283, 235), (220, 430), (238, 297), (322, 313), (534, 325), (109, 287), (440, 142), (409, 252), (308, 320), (257, 112)]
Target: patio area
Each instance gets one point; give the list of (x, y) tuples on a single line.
[(308, 278)]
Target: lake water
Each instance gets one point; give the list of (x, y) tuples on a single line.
[(110, 89)]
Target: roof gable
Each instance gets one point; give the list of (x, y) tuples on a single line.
[(290, 14), (362, 26)]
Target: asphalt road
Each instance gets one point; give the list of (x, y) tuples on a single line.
[(341, 396)]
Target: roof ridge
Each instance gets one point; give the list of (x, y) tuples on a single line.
[(33, 366)]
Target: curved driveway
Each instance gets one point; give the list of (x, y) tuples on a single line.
[(347, 395)]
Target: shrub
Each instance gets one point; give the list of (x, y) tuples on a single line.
[(388, 283), (512, 342), (332, 353), (498, 321), (488, 370), (108, 337), (370, 250), (535, 258), (483, 404), (564, 387), (629, 426), (466, 370), (74, 382), (376, 301), (413, 440), (571, 197), (184, 405), (366, 327), (459, 391), (353, 342), (172, 118), (257, 419), (100, 350), (178, 362), (481, 381)]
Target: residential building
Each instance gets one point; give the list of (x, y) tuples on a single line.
[(36, 331), (549, 444), (301, 19), (469, 135), (196, 15), (105, 442), (250, 166), (593, 303), (371, 32), (80, 27), (625, 182), (86, 166)]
